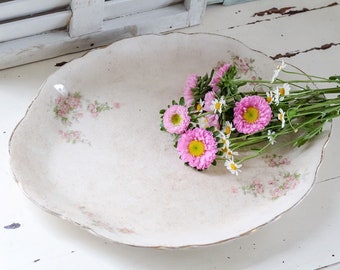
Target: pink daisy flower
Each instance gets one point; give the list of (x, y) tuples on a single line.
[(208, 99), (198, 148), (176, 119), (217, 77), (189, 85), (251, 114)]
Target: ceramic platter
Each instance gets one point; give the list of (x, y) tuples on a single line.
[(95, 156)]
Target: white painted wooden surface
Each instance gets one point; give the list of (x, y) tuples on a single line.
[(91, 24), (119, 8), (18, 8), (34, 26), (87, 17)]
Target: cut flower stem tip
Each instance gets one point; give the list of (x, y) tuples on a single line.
[(256, 113)]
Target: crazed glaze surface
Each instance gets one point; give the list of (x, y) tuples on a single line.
[(99, 160)]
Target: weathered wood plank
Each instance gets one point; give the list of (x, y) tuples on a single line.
[(196, 10), (15, 9), (48, 45), (34, 25), (118, 8), (87, 17), (289, 25), (88, 29)]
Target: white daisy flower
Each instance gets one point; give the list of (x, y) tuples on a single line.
[(200, 106), (224, 138), (228, 128), (283, 91), (278, 69), (271, 136), (281, 117), (227, 152), (217, 105), (232, 166), (270, 97), (276, 96)]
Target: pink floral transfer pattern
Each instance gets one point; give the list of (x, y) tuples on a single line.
[(276, 160), (72, 136), (245, 65), (67, 108), (70, 108), (279, 185), (96, 108)]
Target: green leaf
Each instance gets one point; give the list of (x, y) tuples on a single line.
[(334, 78), (181, 101), (216, 133), (210, 129), (191, 109), (220, 145), (162, 111), (291, 113)]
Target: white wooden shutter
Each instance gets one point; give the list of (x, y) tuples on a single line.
[(32, 30), (30, 17)]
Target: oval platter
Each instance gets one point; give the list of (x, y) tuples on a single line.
[(95, 155)]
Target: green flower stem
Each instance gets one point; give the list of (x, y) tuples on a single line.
[(256, 154), (325, 104), (304, 74)]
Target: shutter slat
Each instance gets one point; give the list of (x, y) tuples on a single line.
[(20, 8), (154, 21), (118, 8), (80, 25), (35, 25)]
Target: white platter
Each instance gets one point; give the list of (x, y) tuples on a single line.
[(114, 173)]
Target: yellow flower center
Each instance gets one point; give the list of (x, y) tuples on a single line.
[(176, 119), (281, 117), (251, 115), (233, 167), (199, 107), (269, 99), (227, 130), (282, 91), (217, 106), (196, 148)]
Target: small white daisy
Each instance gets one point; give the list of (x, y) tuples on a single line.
[(271, 136), (281, 117), (283, 91), (276, 96), (228, 128), (200, 106), (232, 166), (270, 97), (224, 138), (217, 105), (278, 69)]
